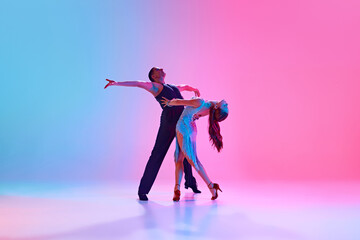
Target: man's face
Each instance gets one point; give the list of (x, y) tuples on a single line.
[(159, 75)]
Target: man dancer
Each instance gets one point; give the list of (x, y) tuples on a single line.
[(169, 117)]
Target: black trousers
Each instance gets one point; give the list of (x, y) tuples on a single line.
[(165, 136)]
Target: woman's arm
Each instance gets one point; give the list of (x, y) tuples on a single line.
[(151, 87), (182, 102), (184, 87)]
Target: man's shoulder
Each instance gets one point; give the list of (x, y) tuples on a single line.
[(173, 86)]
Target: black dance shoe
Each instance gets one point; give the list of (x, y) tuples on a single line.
[(194, 188), (143, 197)]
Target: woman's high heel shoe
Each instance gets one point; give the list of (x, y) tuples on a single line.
[(216, 187), (176, 197)]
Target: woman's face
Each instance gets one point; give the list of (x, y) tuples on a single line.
[(223, 105)]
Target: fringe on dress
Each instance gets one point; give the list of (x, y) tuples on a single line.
[(186, 127)]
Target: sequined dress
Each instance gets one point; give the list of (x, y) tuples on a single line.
[(186, 127)]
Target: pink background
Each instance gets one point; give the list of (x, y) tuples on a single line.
[(288, 69), (290, 72)]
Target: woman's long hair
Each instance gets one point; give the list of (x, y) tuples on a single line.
[(215, 116)]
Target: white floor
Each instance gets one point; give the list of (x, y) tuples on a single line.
[(256, 211)]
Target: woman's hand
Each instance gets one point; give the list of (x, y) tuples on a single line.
[(195, 117), (165, 102), (110, 83)]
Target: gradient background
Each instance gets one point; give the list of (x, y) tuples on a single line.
[(288, 69)]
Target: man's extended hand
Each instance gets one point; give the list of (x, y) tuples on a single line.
[(110, 83), (197, 93)]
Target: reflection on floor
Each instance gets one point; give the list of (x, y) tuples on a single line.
[(256, 211)]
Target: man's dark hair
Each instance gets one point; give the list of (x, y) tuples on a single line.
[(150, 73)]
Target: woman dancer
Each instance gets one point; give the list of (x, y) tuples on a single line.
[(186, 136)]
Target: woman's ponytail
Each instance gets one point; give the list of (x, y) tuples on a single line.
[(214, 128)]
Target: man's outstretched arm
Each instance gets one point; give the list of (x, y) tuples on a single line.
[(148, 86)]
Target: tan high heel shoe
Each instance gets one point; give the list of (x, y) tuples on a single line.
[(216, 187), (177, 193)]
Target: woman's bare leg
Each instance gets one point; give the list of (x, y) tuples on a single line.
[(201, 171), (179, 169), (200, 168)]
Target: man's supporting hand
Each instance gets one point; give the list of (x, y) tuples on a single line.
[(197, 92)]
